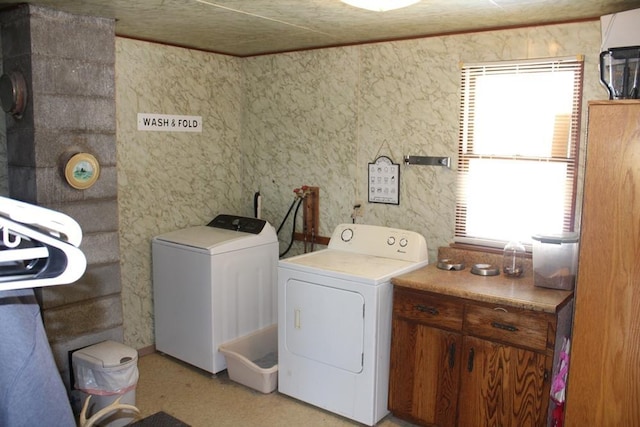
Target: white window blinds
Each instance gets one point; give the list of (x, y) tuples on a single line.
[(517, 151)]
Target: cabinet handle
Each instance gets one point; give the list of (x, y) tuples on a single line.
[(470, 360), (504, 326), (426, 309), (452, 355)]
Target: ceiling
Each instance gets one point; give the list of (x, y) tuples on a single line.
[(253, 27)]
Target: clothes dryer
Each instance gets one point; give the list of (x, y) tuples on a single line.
[(334, 319)]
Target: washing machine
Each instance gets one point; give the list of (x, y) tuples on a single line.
[(334, 318), (212, 284)]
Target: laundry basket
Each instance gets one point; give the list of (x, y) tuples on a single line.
[(107, 371), (252, 360)]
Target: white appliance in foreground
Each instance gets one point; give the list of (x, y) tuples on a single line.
[(212, 284), (334, 319)]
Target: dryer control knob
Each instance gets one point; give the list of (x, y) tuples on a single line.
[(403, 242), (391, 241), (346, 235)]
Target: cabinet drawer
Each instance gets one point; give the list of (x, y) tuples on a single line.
[(428, 309), (522, 328)]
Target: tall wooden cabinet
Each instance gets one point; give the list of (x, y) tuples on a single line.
[(603, 387)]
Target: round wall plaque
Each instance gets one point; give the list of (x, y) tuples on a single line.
[(82, 171)]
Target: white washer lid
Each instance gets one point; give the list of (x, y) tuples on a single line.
[(218, 240)]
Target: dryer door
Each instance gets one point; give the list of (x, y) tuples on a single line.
[(325, 324)]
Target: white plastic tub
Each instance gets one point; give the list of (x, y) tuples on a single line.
[(252, 360)]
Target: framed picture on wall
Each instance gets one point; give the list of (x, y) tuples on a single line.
[(384, 181)]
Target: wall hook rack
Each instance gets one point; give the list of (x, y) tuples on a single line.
[(427, 161)]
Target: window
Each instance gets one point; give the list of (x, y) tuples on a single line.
[(517, 151)]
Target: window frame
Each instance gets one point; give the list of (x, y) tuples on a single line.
[(468, 77)]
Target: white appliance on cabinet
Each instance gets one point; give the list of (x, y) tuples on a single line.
[(334, 319), (212, 284)]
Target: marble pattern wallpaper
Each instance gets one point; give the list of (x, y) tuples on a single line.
[(171, 180), (276, 122)]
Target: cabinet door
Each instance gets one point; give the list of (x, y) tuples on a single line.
[(603, 388), (501, 385), (424, 373)]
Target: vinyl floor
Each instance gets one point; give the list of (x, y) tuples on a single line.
[(199, 399)]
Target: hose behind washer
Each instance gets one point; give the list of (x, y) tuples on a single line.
[(293, 231)]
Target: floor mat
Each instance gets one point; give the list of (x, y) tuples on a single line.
[(159, 419)]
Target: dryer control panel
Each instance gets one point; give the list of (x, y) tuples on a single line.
[(379, 241)]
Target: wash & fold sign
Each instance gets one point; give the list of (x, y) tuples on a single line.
[(169, 123)]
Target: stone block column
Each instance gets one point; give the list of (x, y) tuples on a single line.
[(68, 62)]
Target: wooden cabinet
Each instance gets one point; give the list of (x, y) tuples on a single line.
[(603, 388), (502, 385), (426, 344), (458, 362)]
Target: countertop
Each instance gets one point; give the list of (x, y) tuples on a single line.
[(517, 292)]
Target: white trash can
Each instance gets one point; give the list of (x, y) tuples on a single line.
[(107, 371)]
